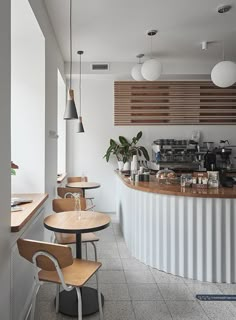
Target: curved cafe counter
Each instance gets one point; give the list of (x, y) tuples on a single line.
[(186, 232)]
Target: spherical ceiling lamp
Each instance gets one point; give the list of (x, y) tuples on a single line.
[(152, 68), (223, 74), (136, 70)]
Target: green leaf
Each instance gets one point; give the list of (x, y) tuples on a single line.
[(112, 142), (145, 153), (139, 135), (123, 140), (134, 140)]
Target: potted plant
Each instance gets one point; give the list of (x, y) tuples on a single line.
[(13, 167), (125, 149)]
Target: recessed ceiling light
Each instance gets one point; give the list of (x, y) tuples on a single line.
[(152, 32), (223, 9)]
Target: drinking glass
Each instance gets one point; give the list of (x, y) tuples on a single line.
[(78, 205)]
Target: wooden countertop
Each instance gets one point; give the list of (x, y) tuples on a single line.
[(20, 218), (176, 190)]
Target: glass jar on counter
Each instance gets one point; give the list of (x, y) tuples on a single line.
[(166, 176), (186, 180), (213, 179)]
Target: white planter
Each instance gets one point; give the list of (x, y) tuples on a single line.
[(120, 165), (126, 166), (134, 163)]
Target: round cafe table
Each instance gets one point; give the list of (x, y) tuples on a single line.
[(77, 222), (84, 185)]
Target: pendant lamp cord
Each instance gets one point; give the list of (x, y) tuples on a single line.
[(223, 50), (70, 41), (151, 47), (80, 86)]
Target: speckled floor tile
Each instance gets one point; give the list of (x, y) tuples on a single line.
[(151, 310), (186, 310), (163, 277), (173, 291), (144, 292), (139, 277)]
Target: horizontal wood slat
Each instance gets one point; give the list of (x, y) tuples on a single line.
[(173, 102)]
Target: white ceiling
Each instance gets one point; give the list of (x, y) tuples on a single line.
[(111, 30)]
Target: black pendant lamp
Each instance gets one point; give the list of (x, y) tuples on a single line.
[(70, 112), (81, 127)]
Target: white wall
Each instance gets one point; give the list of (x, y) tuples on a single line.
[(61, 124), (53, 62), (27, 100), (85, 151), (5, 157)]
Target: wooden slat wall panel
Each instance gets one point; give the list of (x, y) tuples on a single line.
[(173, 102)]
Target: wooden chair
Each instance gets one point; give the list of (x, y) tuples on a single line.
[(61, 205), (58, 266), (77, 179), (67, 192)]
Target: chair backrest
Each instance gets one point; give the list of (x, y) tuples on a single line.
[(27, 248), (65, 192), (77, 179), (67, 204)]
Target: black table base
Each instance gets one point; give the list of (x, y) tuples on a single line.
[(68, 302)]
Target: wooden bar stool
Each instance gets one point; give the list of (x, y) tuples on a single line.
[(58, 266), (68, 204)]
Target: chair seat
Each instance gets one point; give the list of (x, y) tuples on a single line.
[(76, 274), (66, 238)]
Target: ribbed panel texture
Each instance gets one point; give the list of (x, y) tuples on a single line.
[(190, 237)]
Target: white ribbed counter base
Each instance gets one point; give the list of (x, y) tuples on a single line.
[(186, 236)]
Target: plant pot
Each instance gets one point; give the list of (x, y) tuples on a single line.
[(126, 166), (120, 165), (134, 163)]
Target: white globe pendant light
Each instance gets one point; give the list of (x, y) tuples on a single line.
[(223, 74), (136, 70), (152, 68)]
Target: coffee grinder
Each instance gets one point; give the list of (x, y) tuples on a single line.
[(210, 157)]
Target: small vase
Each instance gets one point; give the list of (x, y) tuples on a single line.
[(120, 165), (126, 166), (134, 163)]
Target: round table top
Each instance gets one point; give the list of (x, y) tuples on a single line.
[(84, 185), (77, 221)]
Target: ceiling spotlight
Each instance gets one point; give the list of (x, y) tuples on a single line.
[(136, 70), (152, 68), (204, 45), (223, 9)]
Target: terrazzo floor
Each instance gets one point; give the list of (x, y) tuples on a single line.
[(134, 291)]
